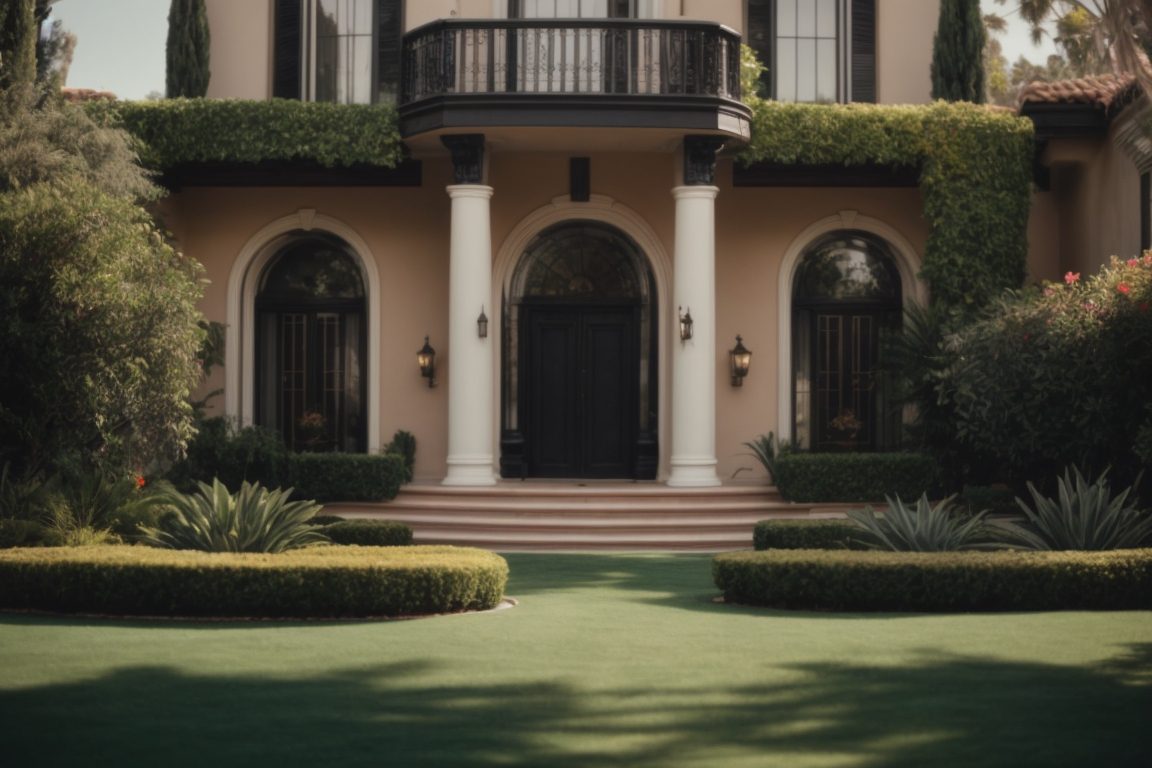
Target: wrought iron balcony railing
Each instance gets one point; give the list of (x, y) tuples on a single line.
[(570, 57)]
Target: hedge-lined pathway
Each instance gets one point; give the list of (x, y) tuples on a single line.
[(609, 660)]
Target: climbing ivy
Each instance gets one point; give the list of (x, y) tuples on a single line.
[(975, 176), (174, 132)]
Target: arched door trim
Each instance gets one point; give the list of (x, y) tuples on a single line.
[(907, 262), (602, 209), (240, 334)]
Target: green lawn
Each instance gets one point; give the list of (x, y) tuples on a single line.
[(607, 661)]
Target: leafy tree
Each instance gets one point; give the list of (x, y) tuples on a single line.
[(187, 53), (17, 42), (53, 50), (957, 52), (98, 318), (1096, 35)]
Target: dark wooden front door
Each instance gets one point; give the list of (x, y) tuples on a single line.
[(580, 390)]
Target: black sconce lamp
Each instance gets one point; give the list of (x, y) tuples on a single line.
[(739, 359), (482, 324), (686, 325), (426, 358)]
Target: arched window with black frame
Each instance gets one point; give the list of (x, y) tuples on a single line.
[(311, 346), (846, 291)]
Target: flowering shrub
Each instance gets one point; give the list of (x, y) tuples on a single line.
[(1056, 375)]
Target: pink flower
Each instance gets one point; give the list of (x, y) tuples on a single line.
[(1123, 288), (1133, 262), (1071, 278)]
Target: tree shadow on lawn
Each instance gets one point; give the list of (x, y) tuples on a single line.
[(941, 710)]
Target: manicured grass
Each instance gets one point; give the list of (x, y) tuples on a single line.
[(608, 661)]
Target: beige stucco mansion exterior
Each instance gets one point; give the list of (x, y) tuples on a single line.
[(571, 183)]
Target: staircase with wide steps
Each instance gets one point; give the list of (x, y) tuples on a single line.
[(589, 516)]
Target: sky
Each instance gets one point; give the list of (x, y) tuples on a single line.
[(120, 44)]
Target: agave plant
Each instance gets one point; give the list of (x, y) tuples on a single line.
[(1083, 516), (923, 528), (254, 519), (767, 450)]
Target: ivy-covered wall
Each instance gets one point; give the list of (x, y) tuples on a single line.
[(975, 162), (975, 175), (176, 132)]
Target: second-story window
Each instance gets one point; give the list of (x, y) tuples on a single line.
[(580, 9), (346, 51), (815, 50), (338, 51)]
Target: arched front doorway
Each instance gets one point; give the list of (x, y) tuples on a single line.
[(847, 289), (579, 396), (311, 339)]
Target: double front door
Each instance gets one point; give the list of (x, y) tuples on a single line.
[(580, 390)]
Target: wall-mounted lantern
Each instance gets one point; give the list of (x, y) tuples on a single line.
[(685, 325), (739, 359), (482, 324), (426, 358)]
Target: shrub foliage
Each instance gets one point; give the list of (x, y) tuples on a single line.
[(346, 476), (847, 477), (1054, 376), (826, 580), (368, 533), (806, 534), (312, 582)]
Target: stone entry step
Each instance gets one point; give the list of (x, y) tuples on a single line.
[(609, 516)]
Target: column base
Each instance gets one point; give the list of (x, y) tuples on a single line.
[(693, 473), (470, 471)]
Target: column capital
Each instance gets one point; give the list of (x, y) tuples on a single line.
[(467, 150), (478, 191), (700, 159), (695, 193)]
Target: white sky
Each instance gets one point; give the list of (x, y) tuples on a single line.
[(121, 43)]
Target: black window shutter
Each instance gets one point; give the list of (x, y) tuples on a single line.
[(758, 37), (863, 50), (389, 31), (286, 50)]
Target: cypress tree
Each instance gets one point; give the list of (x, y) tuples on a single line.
[(958, 52), (187, 53), (18, 36)]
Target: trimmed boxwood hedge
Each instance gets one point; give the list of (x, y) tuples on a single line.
[(346, 476), (325, 581), (854, 477), (369, 533), (806, 534), (840, 580)]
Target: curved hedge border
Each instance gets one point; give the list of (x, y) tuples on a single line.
[(179, 131), (975, 174), (839, 580), (806, 534), (314, 582)]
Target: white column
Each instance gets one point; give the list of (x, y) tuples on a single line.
[(470, 358), (693, 462)]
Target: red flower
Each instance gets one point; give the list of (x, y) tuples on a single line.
[(140, 481), (1123, 288), (1071, 277)]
